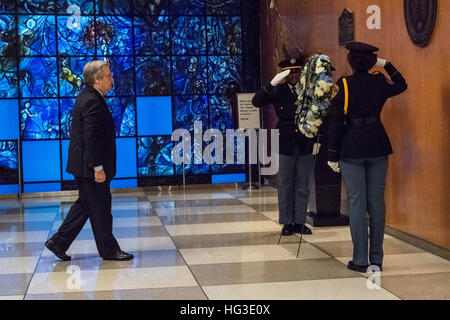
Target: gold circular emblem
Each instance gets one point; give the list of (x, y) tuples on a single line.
[(293, 61)]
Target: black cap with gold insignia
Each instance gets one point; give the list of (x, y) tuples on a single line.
[(361, 47), (291, 63)]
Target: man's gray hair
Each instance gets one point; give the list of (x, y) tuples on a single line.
[(93, 70)]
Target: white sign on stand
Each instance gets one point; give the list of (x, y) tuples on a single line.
[(248, 114)]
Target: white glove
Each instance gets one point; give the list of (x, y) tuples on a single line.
[(280, 77), (334, 166), (316, 148), (381, 62)]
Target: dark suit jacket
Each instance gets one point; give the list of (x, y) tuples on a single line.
[(283, 100), (92, 136), (364, 135)]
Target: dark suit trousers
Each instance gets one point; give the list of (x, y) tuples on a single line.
[(94, 202)]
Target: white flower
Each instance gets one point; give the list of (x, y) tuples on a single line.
[(319, 92), (303, 80), (318, 122), (314, 108), (314, 129), (320, 70)]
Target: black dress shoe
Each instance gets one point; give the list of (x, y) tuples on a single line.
[(50, 244), (119, 256), (298, 229), (287, 230), (355, 267)]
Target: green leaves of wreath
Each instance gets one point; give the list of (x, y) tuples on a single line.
[(315, 92)]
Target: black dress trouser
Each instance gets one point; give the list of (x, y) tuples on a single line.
[(94, 202)]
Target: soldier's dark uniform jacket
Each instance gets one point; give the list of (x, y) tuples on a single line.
[(283, 100), (363, 135)]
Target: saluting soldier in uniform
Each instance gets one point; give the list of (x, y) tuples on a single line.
[(359, 146), (296, 159)]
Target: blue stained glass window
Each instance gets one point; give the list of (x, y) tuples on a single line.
[(39, 119), (9, 83), (36, 6), (220, 113), (224, 35), (41, 166), (38, 77), (126, 158), (224, 73), (71, 75), (37, 34), (152, 7), (124, 115), (8, 162), (188, 7), (7, 6), (222, 7), (189, 75), (189, 109), (188, 35), (154, 116), (76, 37), (66, 107), (154, 76), (114, 6), (123, 73), (152, 35), (114, 35), (85, 6), (8, 36), (9, 120), (154, 156)]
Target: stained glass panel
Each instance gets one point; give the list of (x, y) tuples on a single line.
[(8, 36), (39, 119), (8, 6), (153, 76), (124, 115), (76, 39), (114, 35), (224, 73), (154, 156), (38, 77), (224, 35), (86, 7), (123, 73), (66, 107), (189, 75), (152, 35), (37, 35), (8, 79), (224, 7), (189, 109), (71, 75), (36, 6), (114, 7), (8, 163), (151, 7), (188, 7), (188, 35)]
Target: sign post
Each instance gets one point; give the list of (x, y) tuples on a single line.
[(248, 117)]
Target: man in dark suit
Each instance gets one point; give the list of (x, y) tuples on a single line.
[(92, 160), (296, 159)]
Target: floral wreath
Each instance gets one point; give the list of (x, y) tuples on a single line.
[(315, 92)]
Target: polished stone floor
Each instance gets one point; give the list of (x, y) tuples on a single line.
[(210, 243)]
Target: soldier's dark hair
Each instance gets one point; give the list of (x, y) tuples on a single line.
[(361, 61)]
